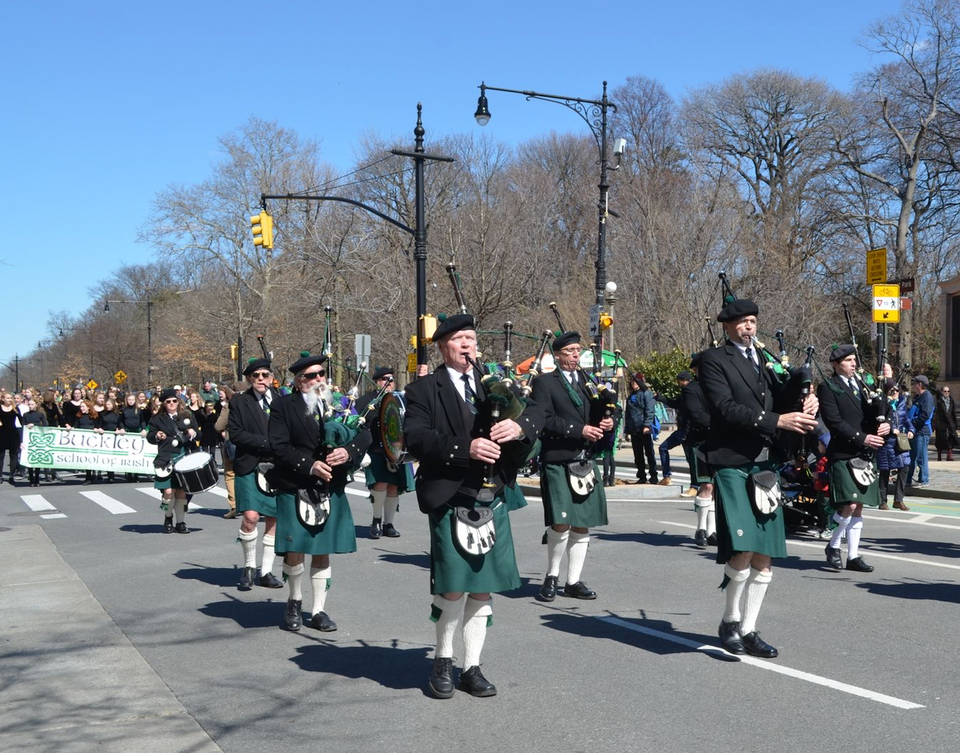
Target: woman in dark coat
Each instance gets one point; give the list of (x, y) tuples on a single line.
[(33, 417), (890, 457), (86, 418), (945, 424)]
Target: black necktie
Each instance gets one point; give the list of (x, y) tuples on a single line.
[(468, 394), (752, 358), (265, 405)]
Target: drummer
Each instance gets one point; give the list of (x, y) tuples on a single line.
[(247, 423), (170, 429), (386, 480), (300, 440)]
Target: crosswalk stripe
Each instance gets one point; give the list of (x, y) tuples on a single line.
[(37, 503), (111, 505), (155, 493)]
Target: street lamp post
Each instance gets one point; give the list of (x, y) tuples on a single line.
[(149, 303), (610, 298), (594, 114)]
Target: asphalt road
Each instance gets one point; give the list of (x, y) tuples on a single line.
[(867, 662)]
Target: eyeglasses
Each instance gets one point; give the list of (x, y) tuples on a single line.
[(261, 375), (171, 400), (311, 375)]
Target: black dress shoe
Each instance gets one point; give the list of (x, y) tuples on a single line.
[(246, 578), (859, 565), (756, 646), (833, 558), (700, 538), (390, 532), (321, 621), (473, 682), (730, 637), (441, 678), (168, 525), (548, 591), (292, 619), (270, 581), (182, 528), (579, 590), (712, 539), (376, 530)]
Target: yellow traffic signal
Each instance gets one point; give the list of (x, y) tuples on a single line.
[(606, 321), (428, 325), (262, 227), (233, 352), (413, 341)]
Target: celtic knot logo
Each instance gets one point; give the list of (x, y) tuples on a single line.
[(44, 439), (39, 455)]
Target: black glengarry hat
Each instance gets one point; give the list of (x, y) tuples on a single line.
[(564, 339), (841, 351), (306, 360), (737, 309), (256, 364), (453, 324)]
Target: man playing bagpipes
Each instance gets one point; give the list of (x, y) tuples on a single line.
[(466, 462), (313, 455)]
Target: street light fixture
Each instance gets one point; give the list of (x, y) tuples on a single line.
[(594, 114)]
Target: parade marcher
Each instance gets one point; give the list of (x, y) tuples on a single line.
[(132, 421), (894, 457), (945, 424), (110, 420), (465, 466), (72, 406), (227, 449), (33, 417), (54, 414), (641, 415), (172, 429), (385, 480), (86, 418), (248, 426), (679, 434), (856, 433), (313, 457), (920, 415), (9, 435), (697, 415), (570, 509), (748, 404)]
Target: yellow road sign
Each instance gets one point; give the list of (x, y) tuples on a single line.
[(412, 363), (120, 377), (886, 304), (876, 265), (92, 385)]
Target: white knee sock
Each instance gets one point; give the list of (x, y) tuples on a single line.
[(477, 617), (704, 506), (390, 507), (269, 554), (756, 589), (576, 554), (320, 581), (248, 543), (556, 546), (180, 509), (293, 574), (838, 532), (854, 529), (733, 592), (448, 615), (711, 521), (378, 499)]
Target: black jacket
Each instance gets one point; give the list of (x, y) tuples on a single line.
[(847, 417), (175, 427), (563, 421), (297, 440), (438, 433), (693, 405), (248, 427)]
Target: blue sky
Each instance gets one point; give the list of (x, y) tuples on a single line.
[(110, 102)]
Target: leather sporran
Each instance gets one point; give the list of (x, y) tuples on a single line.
[(581, 477), (313, 507), (263, 474), (764, 487), (864, 472), (474, 530)]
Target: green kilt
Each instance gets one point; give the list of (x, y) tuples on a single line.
[(378, 472), (739, 527), (250, 498), (451, 571), (171, 481), (513, 498), (561, 507), (337, 536), (844, 490), (699, 470)]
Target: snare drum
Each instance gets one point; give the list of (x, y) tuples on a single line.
[(392, 409), (197, 472)]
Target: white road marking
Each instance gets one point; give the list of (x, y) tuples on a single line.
[(109, 504), (820, 545), (36, 502), (770, 666), (358, 492), (155, 493), (219, 491)]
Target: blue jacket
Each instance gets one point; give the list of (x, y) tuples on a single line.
[(889, 457), (921, 414), (641, 412)]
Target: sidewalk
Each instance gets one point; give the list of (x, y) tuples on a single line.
[(70, 680)]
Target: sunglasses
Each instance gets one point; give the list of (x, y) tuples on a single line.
[(261, 375), (311, 375), (171, 400)]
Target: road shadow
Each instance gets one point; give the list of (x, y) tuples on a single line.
[(389, 666), (248, 614), (913, 547), (589, 626), (643, 537), (916, 590), (147, 528), (223, 577), (420, 560)]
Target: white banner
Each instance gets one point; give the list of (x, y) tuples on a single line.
[(86, 450)]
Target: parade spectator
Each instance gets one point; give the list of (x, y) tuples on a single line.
[(920, 417), (641, 414), (209, 393), (945, 424), (679, 434), (892, 457), (228, 451)]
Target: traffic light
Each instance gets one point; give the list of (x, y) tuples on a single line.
[(413, 341), (428, 325), (606, 321), (233, 352), (262, 227)]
